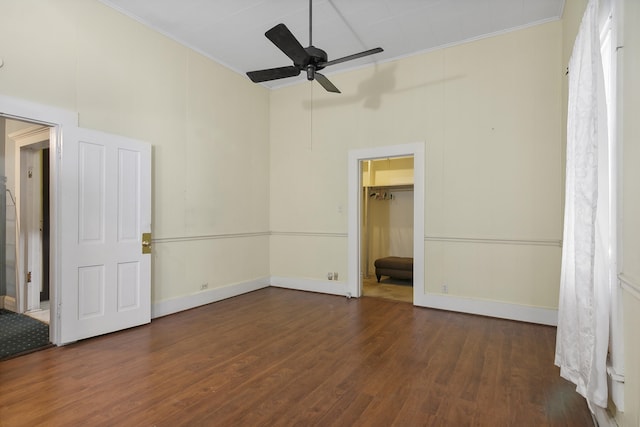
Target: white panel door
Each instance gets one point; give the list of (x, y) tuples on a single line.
[(105, 206)]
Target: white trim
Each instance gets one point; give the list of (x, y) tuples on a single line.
[(613, 375), (602, 417), (355, 210), (502, 310), (631, 286), (615, 381), (32, 135), (494, 241), (20, 109), (57, 118), (26, 140), (464, 305), (178, 304), (612, 65), (175, 305), (31, 211), (8, 303), (311, 285), (497, 309), (208, 237), (160, 240), (307, 234)]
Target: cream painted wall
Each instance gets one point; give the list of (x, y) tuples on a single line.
[(489, 113), (630, 189), (208, 125)]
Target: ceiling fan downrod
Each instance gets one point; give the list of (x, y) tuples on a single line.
[(310, 69), (310, 23)]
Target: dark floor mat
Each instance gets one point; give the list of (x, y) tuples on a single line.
[(21, 334)]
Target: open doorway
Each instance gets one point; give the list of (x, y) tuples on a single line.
[(31, 185), (356, 251), (387, 228), (24, 215)]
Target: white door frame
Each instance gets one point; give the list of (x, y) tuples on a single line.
[(29, 142), (58, 119), (354, 245), (29, 208)]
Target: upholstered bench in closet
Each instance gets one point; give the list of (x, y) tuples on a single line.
[(393, 266)]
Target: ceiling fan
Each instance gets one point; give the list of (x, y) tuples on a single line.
[(311, 59)]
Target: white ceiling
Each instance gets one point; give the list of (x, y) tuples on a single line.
[(232, 31)]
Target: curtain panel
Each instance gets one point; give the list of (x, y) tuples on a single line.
[(583, 313)]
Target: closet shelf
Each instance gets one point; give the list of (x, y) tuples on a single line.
[(402, 187)]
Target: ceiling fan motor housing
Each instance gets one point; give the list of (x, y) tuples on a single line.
[(316, 60)]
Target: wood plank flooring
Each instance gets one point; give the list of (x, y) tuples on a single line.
[(388, 288), (279, 357)]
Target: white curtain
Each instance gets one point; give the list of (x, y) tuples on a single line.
[(583, 315)]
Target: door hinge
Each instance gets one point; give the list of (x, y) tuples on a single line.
[(28, 277)]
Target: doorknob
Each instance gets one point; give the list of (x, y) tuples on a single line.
[(146, 243)]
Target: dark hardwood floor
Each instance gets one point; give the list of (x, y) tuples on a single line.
[(281, 357)]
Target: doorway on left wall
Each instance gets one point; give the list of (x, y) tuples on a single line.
[(24, 238)]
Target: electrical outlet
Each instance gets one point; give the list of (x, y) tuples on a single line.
[(330, 276), (445, 289), (335, 275), (204, 286)]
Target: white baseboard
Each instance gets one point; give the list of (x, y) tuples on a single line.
[(310, 285), (451, 303), (8, 303), (497, 309), (175, 305), (603, 418)]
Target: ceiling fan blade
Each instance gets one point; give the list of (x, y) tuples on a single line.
[(351, 57), (273, 74), (287, 43), (326, 83)]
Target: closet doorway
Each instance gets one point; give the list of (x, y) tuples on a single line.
[(357, 254), (387, 228)]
